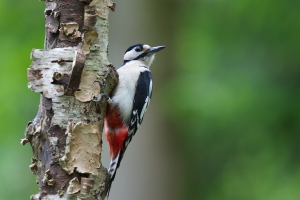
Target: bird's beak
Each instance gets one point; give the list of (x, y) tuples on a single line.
[(150, 51), (154, 49)]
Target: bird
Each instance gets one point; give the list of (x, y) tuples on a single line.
[(128, 102)]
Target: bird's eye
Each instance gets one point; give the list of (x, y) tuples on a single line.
[(138, 49)]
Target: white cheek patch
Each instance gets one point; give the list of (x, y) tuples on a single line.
[(130, 55)]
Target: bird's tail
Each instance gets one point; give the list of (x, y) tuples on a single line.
[(112, 170)]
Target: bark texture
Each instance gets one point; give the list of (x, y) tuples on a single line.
[(66, 134)]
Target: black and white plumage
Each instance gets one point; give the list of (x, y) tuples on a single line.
[(129, 101)]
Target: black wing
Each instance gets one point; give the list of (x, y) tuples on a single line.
[(140, 103)]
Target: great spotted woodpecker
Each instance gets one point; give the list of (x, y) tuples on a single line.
[(128, 102)]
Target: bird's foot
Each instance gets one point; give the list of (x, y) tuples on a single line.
[(102, 94)]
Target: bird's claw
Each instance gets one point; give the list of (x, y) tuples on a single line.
[(108, 99), (102, 87)]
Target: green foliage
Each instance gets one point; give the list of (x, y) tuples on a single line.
[(236, 98), (22, 27)]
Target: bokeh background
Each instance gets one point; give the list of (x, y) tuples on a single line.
[(224, 120)]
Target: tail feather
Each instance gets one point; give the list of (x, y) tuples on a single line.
[(112, 170)]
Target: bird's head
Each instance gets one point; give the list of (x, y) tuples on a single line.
[(142, 52)]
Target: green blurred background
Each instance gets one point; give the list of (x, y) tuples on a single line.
[(224, 121)]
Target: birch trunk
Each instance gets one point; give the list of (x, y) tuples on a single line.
[(66, 134)]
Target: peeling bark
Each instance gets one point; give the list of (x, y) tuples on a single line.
[(66, 134)]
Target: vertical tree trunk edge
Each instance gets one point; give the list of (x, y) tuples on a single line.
[(66, 134)]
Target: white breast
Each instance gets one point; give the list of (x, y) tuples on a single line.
[(124, 92)]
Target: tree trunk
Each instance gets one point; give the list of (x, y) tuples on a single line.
[(66, 134)]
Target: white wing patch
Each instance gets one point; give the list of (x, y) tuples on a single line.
[(147, 101), (133, 120)]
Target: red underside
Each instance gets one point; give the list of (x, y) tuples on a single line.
[(115, 131)]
